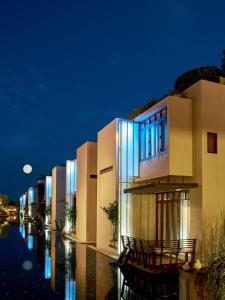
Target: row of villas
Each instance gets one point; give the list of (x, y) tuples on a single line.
[(166, 169)]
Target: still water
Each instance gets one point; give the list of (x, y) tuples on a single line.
[(41, 265)]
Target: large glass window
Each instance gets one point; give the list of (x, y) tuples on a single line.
[(153, 135), (172, 215)]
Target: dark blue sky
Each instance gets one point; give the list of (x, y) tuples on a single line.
[(67, 68)]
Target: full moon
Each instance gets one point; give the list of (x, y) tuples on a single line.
[(27, 169)]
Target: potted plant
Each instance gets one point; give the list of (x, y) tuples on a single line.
[(112, 214)]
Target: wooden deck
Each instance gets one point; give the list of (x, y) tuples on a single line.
[(157, 256)]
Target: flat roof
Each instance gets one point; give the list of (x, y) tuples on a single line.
[(154, 187)]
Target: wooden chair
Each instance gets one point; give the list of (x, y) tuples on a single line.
[(147, 253), (188, 247)]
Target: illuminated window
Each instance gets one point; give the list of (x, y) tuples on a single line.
[(153, 135), (212, 142)]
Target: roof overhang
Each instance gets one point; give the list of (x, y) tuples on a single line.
[(154, 187)]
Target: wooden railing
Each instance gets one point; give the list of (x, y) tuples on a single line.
[(151, 253)]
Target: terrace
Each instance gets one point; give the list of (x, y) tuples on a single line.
[(157, 255)]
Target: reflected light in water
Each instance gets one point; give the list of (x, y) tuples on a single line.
[(22, 230), (70, 289), (27, 265), (47, 264), (30, 242)]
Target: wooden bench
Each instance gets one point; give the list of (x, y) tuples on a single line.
[(155, 253)]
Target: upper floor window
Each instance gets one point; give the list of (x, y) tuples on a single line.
[(153, 135), (212, 142)]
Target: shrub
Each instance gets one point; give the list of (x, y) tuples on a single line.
[(112, 215), (214, 254), (140, 109), (187, 79)]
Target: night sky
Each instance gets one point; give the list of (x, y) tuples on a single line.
[(67, 68)]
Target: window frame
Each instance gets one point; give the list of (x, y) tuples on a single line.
[(153, 124)]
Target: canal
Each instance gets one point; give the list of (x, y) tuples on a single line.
[(41, 265)]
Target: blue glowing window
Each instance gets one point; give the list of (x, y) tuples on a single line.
[(48, 190), (153, 135)]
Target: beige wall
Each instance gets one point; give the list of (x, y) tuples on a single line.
[(58, 194), (209, 169), (86, 192), (213, 120), (194, 92), (107, 182), (180, 136)]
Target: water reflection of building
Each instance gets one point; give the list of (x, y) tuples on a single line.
[(48, 264), (106, 277), (70, 262), (22, 201), (32, 206), (22, 230), (11, 209), (72, 269), (193, 286), (4, 225), (30, 237), (137, 284), (57, 263)]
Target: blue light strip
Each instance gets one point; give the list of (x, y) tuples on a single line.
[(70, 293), (47, 264), (71, 176), (48, 196), (71, 185), (48, 189), (30, 242), (22, 230), (128, 166)]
